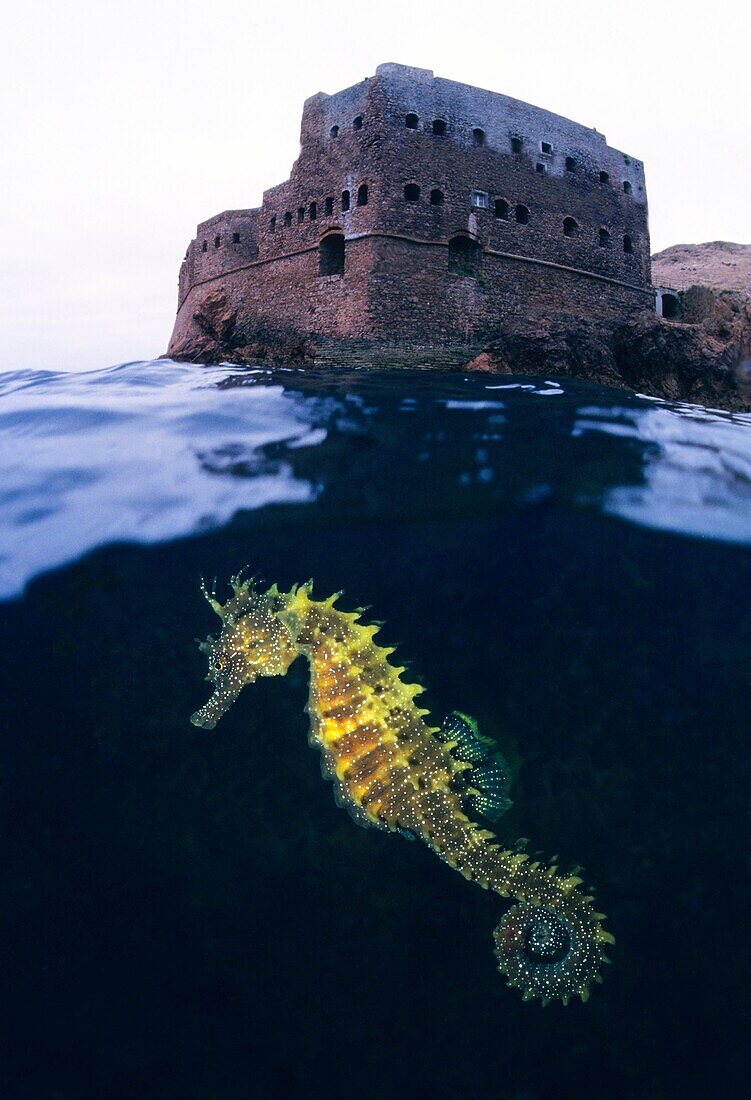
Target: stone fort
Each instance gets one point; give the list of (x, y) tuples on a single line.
[(422, 215)]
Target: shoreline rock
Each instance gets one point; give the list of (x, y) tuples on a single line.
[(704, 357)]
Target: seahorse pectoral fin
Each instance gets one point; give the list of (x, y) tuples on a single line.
[(219, 703)]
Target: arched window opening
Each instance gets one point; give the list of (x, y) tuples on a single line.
[(357, 123), (334, 132), (412, 192), (570, 164), (516, 145), (464, 256), (235, 238), (522, 214), (313, 211), (331, 254), (439, 126), (501, 208), (411, 122), (436, 197), (300, 215), (287, 220), (328, 207), (604, 177), (205, 246), (217, 242), (345, 200), (362, 195), (671, 307), (627, 187), (628, 244), (570, 227), (272, 225), (604, 236), (478, 136)]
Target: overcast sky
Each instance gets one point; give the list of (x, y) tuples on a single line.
[(124, 124)]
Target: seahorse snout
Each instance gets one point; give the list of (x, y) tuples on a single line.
[(229, 672), (219, 703)]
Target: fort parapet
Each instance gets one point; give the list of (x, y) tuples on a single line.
[(420, 213)]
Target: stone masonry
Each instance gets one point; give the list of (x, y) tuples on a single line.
[(423, 213)]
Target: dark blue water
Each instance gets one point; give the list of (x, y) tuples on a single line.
[(188, 914)]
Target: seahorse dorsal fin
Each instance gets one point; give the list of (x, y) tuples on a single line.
[(491, 781), (487, 777), (464, 732)]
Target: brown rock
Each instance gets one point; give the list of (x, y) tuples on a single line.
[(721, 265)]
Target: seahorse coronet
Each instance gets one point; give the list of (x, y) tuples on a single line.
[(393, 770)]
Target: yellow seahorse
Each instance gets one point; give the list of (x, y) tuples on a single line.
[(393, 770)]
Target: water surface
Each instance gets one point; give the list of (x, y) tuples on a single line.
[(189, 914)]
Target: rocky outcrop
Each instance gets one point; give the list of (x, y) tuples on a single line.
[(219, 337), (705, 358)]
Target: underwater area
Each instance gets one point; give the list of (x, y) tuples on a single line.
[(187, 912)]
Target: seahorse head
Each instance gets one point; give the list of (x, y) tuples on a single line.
[(253, 642)]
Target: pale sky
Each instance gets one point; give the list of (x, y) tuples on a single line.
[(123, 125)]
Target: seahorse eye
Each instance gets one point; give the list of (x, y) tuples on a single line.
[(220, 662)]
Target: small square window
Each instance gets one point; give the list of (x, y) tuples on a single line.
[(235, 238), (480, 200), (546, 147), (540, 168)]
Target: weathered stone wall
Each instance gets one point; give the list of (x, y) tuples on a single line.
[(503, 292), (287, 293), (222, 244), (360, 149)]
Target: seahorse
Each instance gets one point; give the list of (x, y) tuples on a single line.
[(394, 771)]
